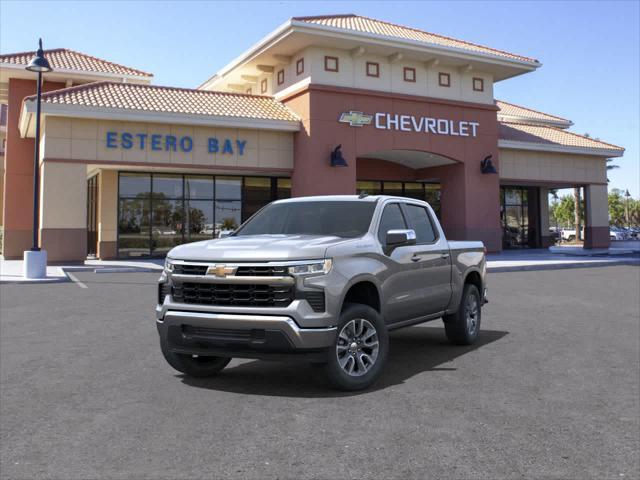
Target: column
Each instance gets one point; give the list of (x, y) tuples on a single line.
[(107, 214), (596, 216), (546, 240), (63, 211)]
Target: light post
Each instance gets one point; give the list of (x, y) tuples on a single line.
[(555, 209), (626, 208), (35, 260)]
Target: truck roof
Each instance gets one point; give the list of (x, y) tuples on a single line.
[(342, 198)]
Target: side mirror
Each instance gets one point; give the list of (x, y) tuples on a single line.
[(399, 238)]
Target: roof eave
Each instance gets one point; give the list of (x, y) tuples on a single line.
[(88, 73), (532, 121), (120, 114), (293, 25), (543, 147), (466, 54)]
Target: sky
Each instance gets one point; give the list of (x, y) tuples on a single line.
[(590, 51)]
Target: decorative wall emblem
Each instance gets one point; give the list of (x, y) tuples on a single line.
[(356, 119)]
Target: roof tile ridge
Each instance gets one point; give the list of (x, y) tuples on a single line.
[(533, 110)]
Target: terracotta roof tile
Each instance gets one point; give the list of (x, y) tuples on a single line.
[(65, 59), (370, 25), (152, 98), (517, 132), (513, 110)]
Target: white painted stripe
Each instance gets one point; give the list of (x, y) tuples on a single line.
[(75, 280)]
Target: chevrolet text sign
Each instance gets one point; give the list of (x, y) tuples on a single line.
[(410, 123)]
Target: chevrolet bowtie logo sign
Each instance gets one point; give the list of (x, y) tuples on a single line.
[(221, 270), (355, 119)]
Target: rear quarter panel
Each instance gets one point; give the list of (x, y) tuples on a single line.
[(466, 257)]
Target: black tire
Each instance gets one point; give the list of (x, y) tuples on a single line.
[(194, 366), (369, 352), (463, 327), (571, 238)]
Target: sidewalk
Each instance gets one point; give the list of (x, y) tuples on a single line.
[(506, 261)]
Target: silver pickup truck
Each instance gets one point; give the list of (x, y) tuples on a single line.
[(320, 278)]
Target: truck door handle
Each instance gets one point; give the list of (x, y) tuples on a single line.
[(415, 257), (444, 255)]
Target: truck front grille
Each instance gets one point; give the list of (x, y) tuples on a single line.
[(250, 295), (186, 269), (267, 271)]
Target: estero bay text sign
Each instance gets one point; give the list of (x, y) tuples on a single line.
[(171, 143)]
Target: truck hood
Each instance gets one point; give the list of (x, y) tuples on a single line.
[(257, 248)]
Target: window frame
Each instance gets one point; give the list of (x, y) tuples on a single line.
[(327, 59), (384, 207), (280, 76), (443, 75), (407, 70), (433, 225), (300, 66), (263, 85), (377, 67), (480, 82)]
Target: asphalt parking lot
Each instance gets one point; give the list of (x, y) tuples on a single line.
[(550, 391)]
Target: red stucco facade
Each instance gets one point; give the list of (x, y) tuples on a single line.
[(470, 199)]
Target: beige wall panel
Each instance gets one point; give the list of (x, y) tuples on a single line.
[(63, 196), (108, 206), (598, 214), (83, 149), (268, 140), (86, 129), (57, 147), (249, 159), (58, 127), (549, 166)]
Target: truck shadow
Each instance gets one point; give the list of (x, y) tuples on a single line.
[(413, 351)]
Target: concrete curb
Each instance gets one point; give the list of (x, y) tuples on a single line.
[(562, 266)]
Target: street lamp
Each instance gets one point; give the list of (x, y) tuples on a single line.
[(35, 260), (626, 207)]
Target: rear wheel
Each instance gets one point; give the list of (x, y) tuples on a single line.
[(194, 365), (462, 327), (360, 350)]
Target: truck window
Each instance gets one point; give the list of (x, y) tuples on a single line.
[(348, 219), (418, 218), (391, 219)]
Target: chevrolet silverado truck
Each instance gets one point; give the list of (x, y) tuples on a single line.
[(322, 279)]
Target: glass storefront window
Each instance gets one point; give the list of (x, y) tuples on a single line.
[(414, 190), (228, 188), (392, 188), (135, 184), (167, 186), (198, 188), (432, 193), (228, 216), (256, 194), (159, 211), (200, 220), (133, 227), (371, 188), (283, 188)]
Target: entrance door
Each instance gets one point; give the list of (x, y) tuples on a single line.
[(520, 218), (92, 216)]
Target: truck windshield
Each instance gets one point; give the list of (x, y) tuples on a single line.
[(340, 218)]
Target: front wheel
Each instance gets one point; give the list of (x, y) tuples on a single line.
[(462, 327), (194, 365), (360, 350)]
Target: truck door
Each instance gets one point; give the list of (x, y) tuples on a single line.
[(403, 287), (431, 254)]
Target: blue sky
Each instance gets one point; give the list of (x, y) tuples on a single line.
[(589, 50)]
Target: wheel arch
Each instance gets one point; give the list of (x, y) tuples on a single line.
[(364, 290)]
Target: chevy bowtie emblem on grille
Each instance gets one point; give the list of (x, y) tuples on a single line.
[(221, 270), (356, 119)]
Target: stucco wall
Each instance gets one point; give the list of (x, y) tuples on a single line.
[(352, 73), (85, 140), (551, 167)]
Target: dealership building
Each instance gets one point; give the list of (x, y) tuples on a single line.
[(323, 105)]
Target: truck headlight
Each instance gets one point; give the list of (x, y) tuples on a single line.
[(168, 265), (319, 267)]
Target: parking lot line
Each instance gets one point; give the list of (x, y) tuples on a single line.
[(75, 280)]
